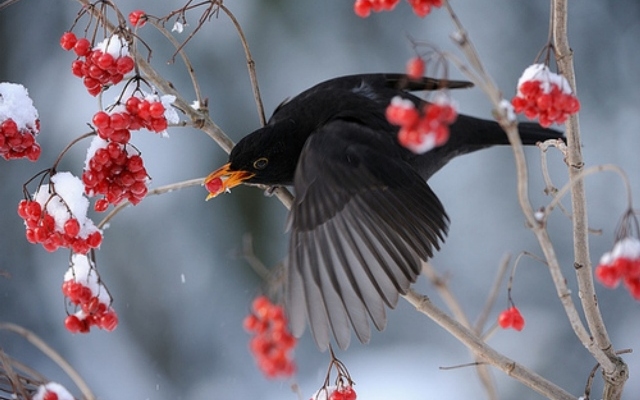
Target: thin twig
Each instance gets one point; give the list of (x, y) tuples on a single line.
[(159, 190), (185, 59), (583, 174), (493, 295), (251, 65)]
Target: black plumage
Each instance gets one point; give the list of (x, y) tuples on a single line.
[(363, 217)]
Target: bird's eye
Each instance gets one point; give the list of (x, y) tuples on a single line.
[(260, 163)]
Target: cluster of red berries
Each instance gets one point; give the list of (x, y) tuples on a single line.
[(52, 391), (421, 8), (420, 132), (138, 113), (19, 143), (622, 264), (544, 95), (511, 318), (92, 311), (116, 173), (97, 67), (138, 18), (415, 68), (84, 290), (42, 228), (272, 344)]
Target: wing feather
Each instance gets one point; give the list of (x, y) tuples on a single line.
[(361, 222)]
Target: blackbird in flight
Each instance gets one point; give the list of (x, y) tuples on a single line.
[(364, 217)]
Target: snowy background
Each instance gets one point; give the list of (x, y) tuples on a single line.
[(171, 262)]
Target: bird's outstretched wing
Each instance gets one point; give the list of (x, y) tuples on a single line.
[(361, 222)]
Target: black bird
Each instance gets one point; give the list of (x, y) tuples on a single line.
[(364, 217)]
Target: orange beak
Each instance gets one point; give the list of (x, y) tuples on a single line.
[(223, 179)]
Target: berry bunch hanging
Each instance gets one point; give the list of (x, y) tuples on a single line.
[(86, 292), (272, 344), (422, 131), (106, 63), (57, 216), (19, 123), (544, 95), (115, 171)]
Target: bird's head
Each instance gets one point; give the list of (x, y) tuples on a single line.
[(267, 156)]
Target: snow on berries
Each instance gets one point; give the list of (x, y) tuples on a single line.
[(272, 344), (83, 288), (621, 264), (421, 8), (19, 123), (115, 171), (544, 95), (98, 66), (511, 318), (422, 131), (52, 391), (57, 216)]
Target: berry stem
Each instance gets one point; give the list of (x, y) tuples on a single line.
[(71, 144), (159, 190)]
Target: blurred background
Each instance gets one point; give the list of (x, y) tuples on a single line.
[(172, 264)]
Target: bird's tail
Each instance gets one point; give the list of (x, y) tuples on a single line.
[(469, 134), (477, 133)]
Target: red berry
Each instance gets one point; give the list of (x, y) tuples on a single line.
[(94, 239), (415, 68), (68, 40), (72, 227), (101, 119), (138, 18), (82, 47), (105, 61), (159, 124), (362, 8), (156, 110), (101, 205), (124, 65), (109, 321), (132, 105), (74, 324)]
